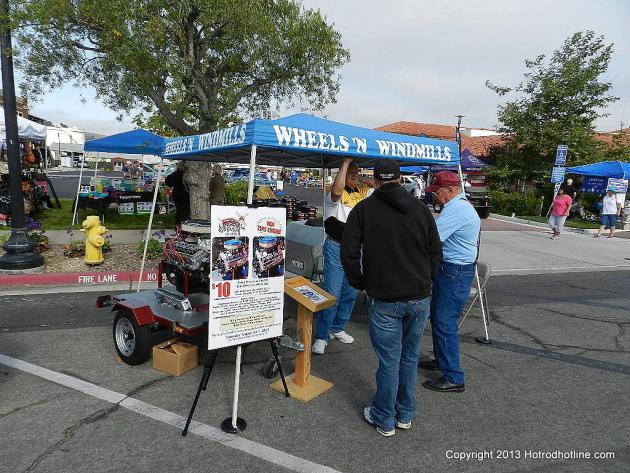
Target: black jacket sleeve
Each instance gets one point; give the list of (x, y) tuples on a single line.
[(351, 249), (435, 246)]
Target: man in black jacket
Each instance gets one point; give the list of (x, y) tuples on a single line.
[(391, 250)]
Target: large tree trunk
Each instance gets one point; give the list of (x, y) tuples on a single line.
[(197, 179)]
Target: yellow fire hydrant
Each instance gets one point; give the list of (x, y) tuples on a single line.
[(94, 240)]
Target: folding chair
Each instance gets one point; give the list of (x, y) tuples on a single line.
[(318, 264), (478, 292)]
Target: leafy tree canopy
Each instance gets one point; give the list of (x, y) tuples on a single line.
[(184, 66), (557, 103)]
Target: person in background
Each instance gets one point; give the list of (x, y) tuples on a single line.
[(125, 169), (560, 208), (418, 189), (569, 189), (407, 259), (181, 197), (274, 175), (611, 209), (348, 189), (459, 228), (217, 186)]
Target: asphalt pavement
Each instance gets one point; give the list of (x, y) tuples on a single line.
[(554, 383)]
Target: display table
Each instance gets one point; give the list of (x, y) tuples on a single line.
[(99, 204), (310, 299)]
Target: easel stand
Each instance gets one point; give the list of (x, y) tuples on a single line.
[(482, 340), (232, 424)]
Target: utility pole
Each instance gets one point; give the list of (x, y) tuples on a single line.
[(20, 250)]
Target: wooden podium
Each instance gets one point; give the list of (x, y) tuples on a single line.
[(310, 299)]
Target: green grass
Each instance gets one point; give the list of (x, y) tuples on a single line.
[(569, 223), (60, 219)]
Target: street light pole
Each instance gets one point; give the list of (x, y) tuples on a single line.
[(20, 254), (458, 138)]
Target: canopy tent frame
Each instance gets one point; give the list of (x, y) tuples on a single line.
[(137, 141), (255, 152)]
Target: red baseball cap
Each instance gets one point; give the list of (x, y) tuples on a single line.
[(444, 179)]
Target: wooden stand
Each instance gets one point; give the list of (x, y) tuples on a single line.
[(301, 384)]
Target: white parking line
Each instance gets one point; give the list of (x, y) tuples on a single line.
[(213, 434)]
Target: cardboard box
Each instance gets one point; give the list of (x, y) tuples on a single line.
[(174, 357)]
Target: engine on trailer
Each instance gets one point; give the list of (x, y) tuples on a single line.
[(186, 258), (269, 257)]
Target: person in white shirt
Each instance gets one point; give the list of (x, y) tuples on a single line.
[(611, 209), (418, 190), (348, 189)]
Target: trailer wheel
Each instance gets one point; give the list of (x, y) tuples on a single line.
[(270, 370), (132, 342)]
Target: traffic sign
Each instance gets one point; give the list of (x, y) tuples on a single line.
[(561, 155), (557, 174)]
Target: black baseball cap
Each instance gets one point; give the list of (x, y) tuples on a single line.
[(387, 170)]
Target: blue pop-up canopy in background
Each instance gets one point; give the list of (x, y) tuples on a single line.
[(130, 142)]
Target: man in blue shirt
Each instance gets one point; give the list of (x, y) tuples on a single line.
[(458, 226)]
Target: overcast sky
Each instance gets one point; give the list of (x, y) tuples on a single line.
[(426, 61)]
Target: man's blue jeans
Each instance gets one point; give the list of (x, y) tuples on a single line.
[(451, 290), (396, 332), (334, 319)]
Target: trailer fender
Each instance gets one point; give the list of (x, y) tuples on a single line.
[(141, 312)]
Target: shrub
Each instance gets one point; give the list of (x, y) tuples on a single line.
[(236, 192), (507, 203), (154, 248)]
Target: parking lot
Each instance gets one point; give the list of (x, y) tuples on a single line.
[(551, 389)]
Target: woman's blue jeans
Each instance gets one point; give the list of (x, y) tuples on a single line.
[(396, 331), (335, 318), (451, 290)]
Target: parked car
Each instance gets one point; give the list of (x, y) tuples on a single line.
[(242, 174), (408, 182), (481, 201)]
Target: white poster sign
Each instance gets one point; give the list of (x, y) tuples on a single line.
[(247, 280)]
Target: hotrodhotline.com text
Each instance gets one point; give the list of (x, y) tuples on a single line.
[(481, 455)]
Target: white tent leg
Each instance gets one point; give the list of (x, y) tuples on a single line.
[(96, 167), (148, 235), (76, 201), (252, 171)]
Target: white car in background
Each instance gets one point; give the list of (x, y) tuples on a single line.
[(408, 182)]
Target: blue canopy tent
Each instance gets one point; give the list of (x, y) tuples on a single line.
[(414, 169), (304, 140), (130, 142), (469, 163), (614, 169)]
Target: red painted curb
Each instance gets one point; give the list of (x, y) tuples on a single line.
[(82, 279)]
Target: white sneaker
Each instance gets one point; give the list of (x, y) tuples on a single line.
[(319, 347), (403, 425), (368, 418), (342, 336)]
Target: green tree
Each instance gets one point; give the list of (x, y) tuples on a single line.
[(182, 66), (557, 103)]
